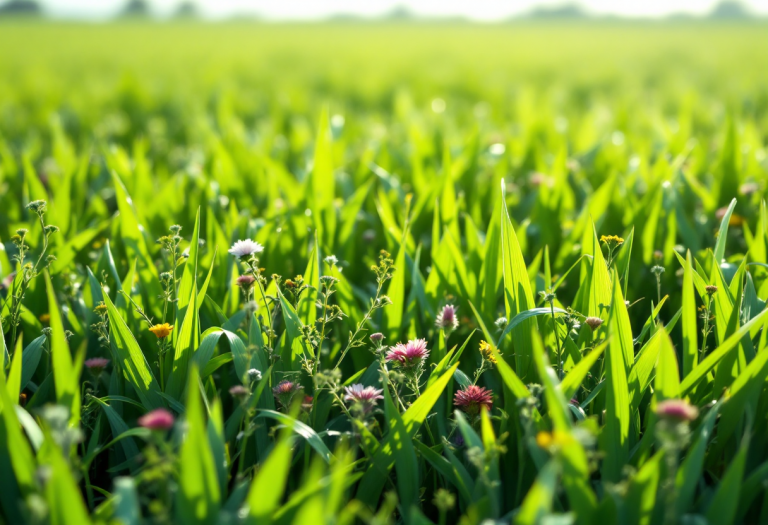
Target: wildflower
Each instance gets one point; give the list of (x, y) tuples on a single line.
[(658, 255), (593, 322), (414, 352), (711, 289), (244, 248), (161, 330), (331, 260), (306, 403), (735, 220), (254, 374), (501, 323), (96, 365), (378, 337), (748, 188), (549, 440), (45, 318), (158, 419), (446, 319), (486, 350), (239, 392), (101, 309), (284, 392), (246, 281), (364, 398), (472, 399), (612, 240), (50, 228), (677, 410), (37, 206)]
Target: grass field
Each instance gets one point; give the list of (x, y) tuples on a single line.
[(509, 273)]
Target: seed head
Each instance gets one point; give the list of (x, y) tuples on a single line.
[(593, 322), (711, 289)]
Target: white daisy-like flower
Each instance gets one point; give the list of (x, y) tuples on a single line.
[(245, 248)]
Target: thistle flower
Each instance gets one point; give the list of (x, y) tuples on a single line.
[(473, 398), (486, 350), (677, 410), (245, 281), (412, 353), (158, 419), (161, 330), (239, 392), (364, 397), (593, 322), (245, 248), (284, 392), (377, 337), (446, 319), (96, 365)]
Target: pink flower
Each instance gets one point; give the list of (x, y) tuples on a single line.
[(472, 398), (159, 419), (364, 397), (414, 352), (245, 281), (96, 365), (677, 409), (284, 392), (447, 319)]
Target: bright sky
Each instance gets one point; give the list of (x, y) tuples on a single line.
[(312, 9)]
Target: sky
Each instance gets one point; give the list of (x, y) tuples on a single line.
[(487, 10)]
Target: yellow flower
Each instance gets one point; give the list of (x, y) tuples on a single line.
[(45, 318), (612, 239), (161, 330), (544, 439), (486, 349)]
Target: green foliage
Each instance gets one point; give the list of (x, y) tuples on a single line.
[(580, 248)]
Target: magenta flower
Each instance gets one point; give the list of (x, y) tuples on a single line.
[(96, 365), (284, 392), (677, 410), (159, 419), (412, 353), (245, 281), (473, 398), (364, 397), (446, 319)]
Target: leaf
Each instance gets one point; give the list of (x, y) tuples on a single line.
[(519, 318), (690, 342), (30, 360), (66, 375), (709, 362), (131, 359), (198, 497), (269, 483), (722, 234), (404, 453), (517, 290), (21, 458), (396, 292), (184, 347), (301, 429), (616, 432), (573, 379), (723, 505), (689, 473), (538, 501), (374, 479), (641, 494), (65, 502)]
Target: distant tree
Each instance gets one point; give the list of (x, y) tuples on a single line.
[(186, 9), (20, 7), (730, 10), (400, 12), (135, 9), (557, 12)]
